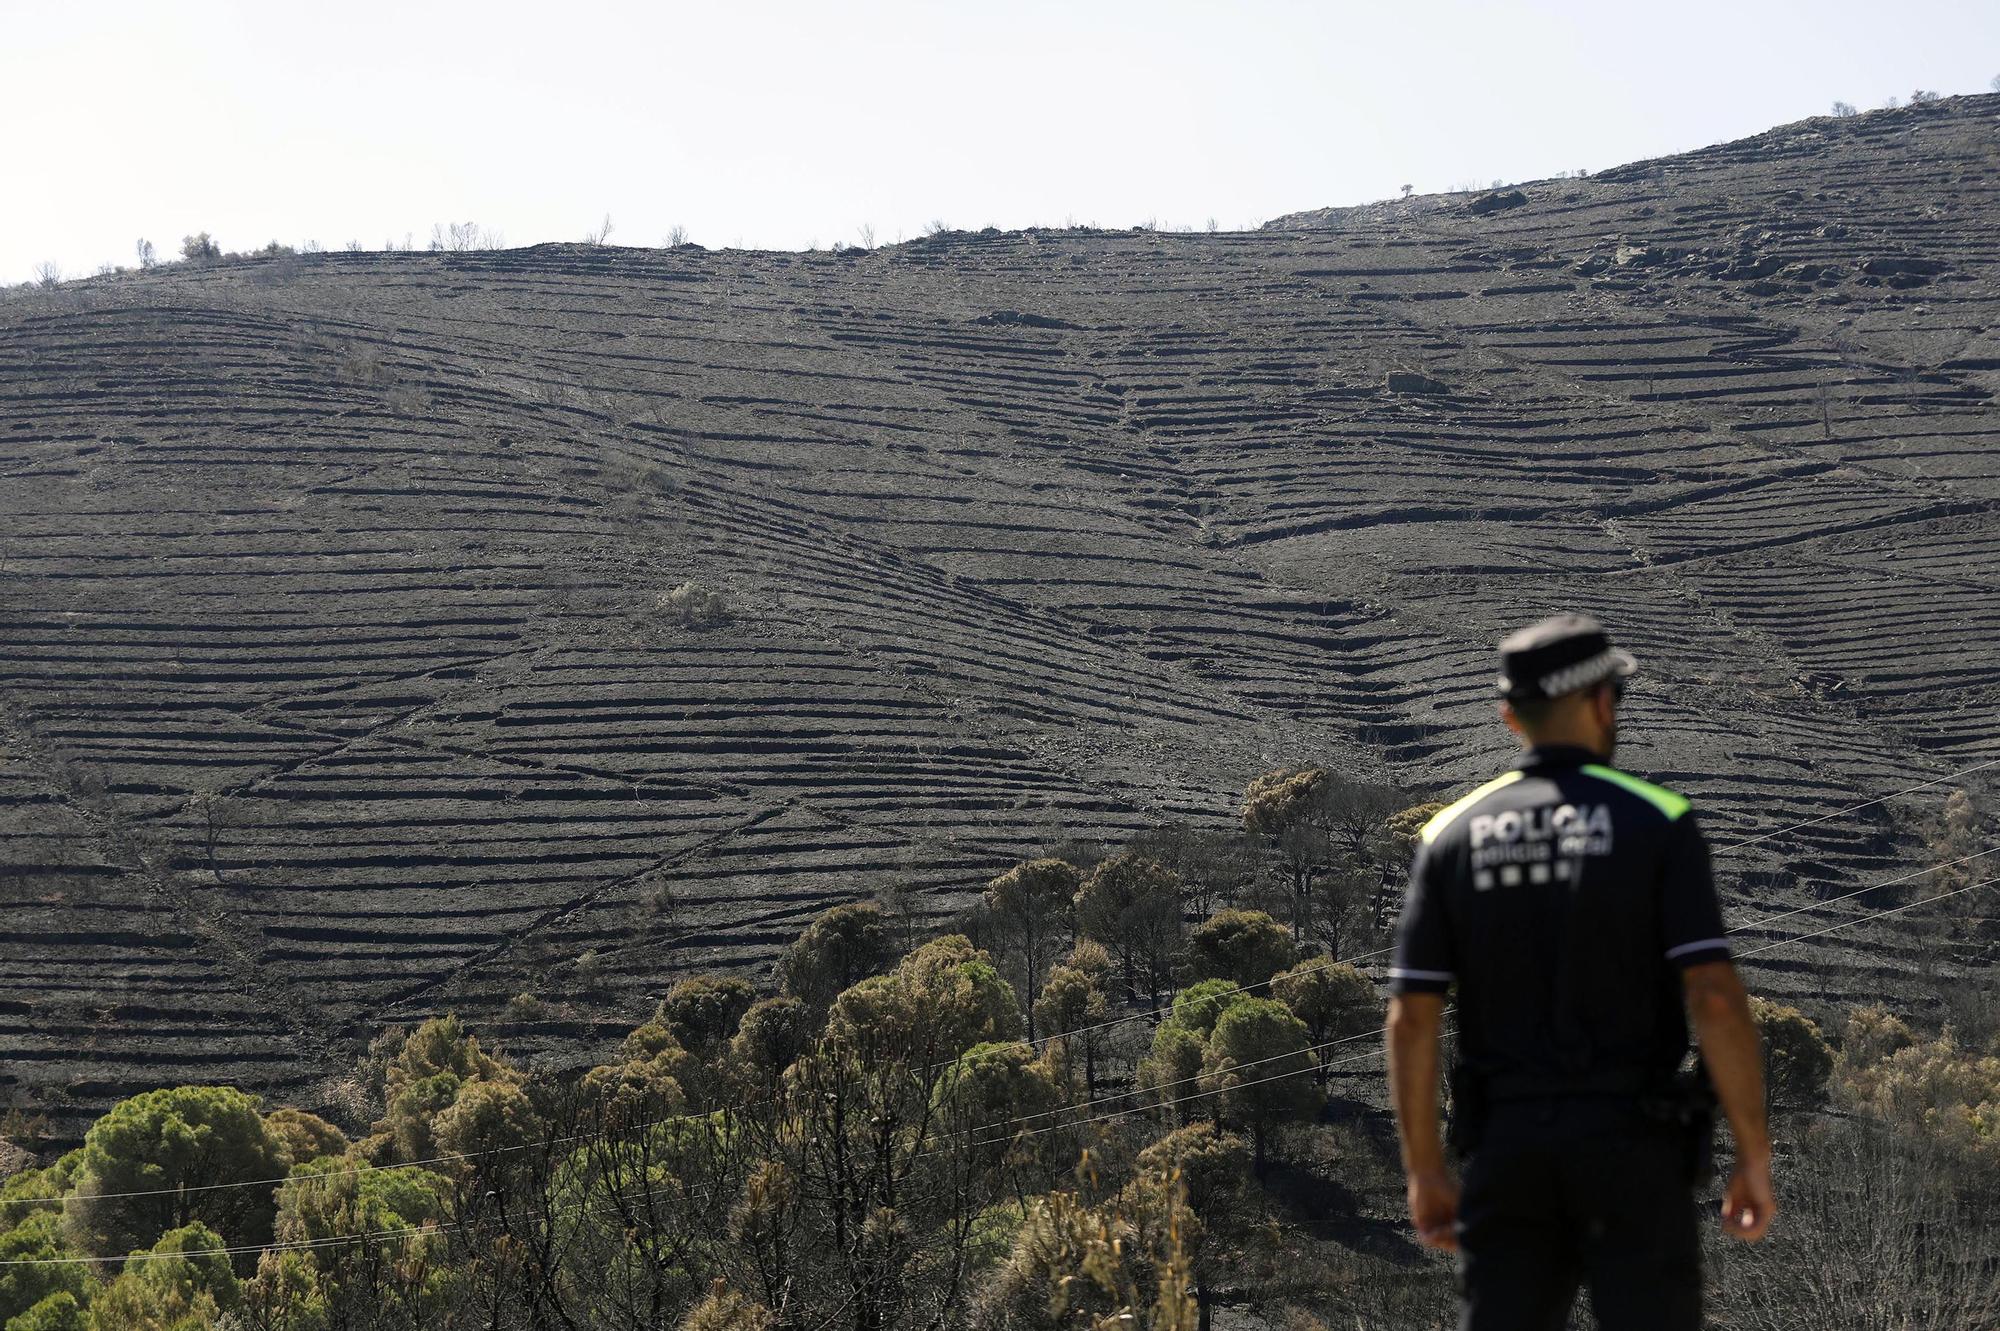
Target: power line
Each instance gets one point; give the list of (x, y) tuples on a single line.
[(455, 1157), (1866, 804), (1374, 1053), (1182, 1081), (1876, 915), (1843, 924), (330, 1240), (1203, 1095), (1863, 891), (335, 1240), (1330, 962), (356, 1170)]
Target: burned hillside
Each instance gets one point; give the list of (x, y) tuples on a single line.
[(388, 632)]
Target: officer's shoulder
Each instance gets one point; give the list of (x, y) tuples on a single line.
[(1671, 803), (1452, 812)]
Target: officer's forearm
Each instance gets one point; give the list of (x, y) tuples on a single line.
[(1720, 1010), (1414, 1020)]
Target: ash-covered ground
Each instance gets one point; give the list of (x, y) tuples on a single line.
[(342, 680)]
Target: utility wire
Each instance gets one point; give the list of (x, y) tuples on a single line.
[(1373, 1053), (1183, 1081), (1330, 962), (330, 1240), (1866, 804), (454, 1157), (1876, 915), (1203, 1095)]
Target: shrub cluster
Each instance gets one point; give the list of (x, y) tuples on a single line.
[(694, 605)]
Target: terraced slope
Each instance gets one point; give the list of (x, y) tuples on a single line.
[(335, 687)]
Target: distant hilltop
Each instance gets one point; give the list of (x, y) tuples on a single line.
[(1774, 160)]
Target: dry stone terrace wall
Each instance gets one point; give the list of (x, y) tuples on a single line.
[(334, 689)]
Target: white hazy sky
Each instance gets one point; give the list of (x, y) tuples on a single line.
[(788, 124)]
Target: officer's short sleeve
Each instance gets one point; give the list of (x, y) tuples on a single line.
[(1423, 963), (1690, 916)]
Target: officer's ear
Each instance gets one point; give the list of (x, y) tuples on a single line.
[(1512, 719), (1607, 700)]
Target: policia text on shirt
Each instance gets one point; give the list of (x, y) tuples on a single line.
[(1570, 907)]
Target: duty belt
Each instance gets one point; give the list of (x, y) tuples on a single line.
[(1528, 1086)]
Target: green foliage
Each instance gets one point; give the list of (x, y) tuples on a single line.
[(993, 1233), (1034, 892), (1277, 800), (654, 1039), (1259, 1065), (300, 1136), (1132, 905), (769, 1039), (343, 1284), (940, 1001), (20, 1193), (1199, 1006), (879, 1015), (60, 1311), (703, 1011), (38, 1238), (1797, 1058), (839, 949), (964, 992), (876, 1161), (197, 1263), (991, 1089), (647, 1084), (423, 1080), (328, 1197), (199, 247), (183, 1286), (1122, 1264), (1172, 1071), (162, 1141), (1244, 947), (442, 1046), (487, 1117), (1030, 907), (1069, 1001), (1334, 1000), (1212, 1167), (287, 1294)]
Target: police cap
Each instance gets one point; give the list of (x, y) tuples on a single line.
[(1559, 655)]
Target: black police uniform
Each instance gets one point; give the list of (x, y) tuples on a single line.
[(1560, 902)]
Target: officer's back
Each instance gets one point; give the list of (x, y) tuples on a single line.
[(1570, 908), (1556, 898)]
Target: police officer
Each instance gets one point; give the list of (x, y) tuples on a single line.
[(1569, 905)]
